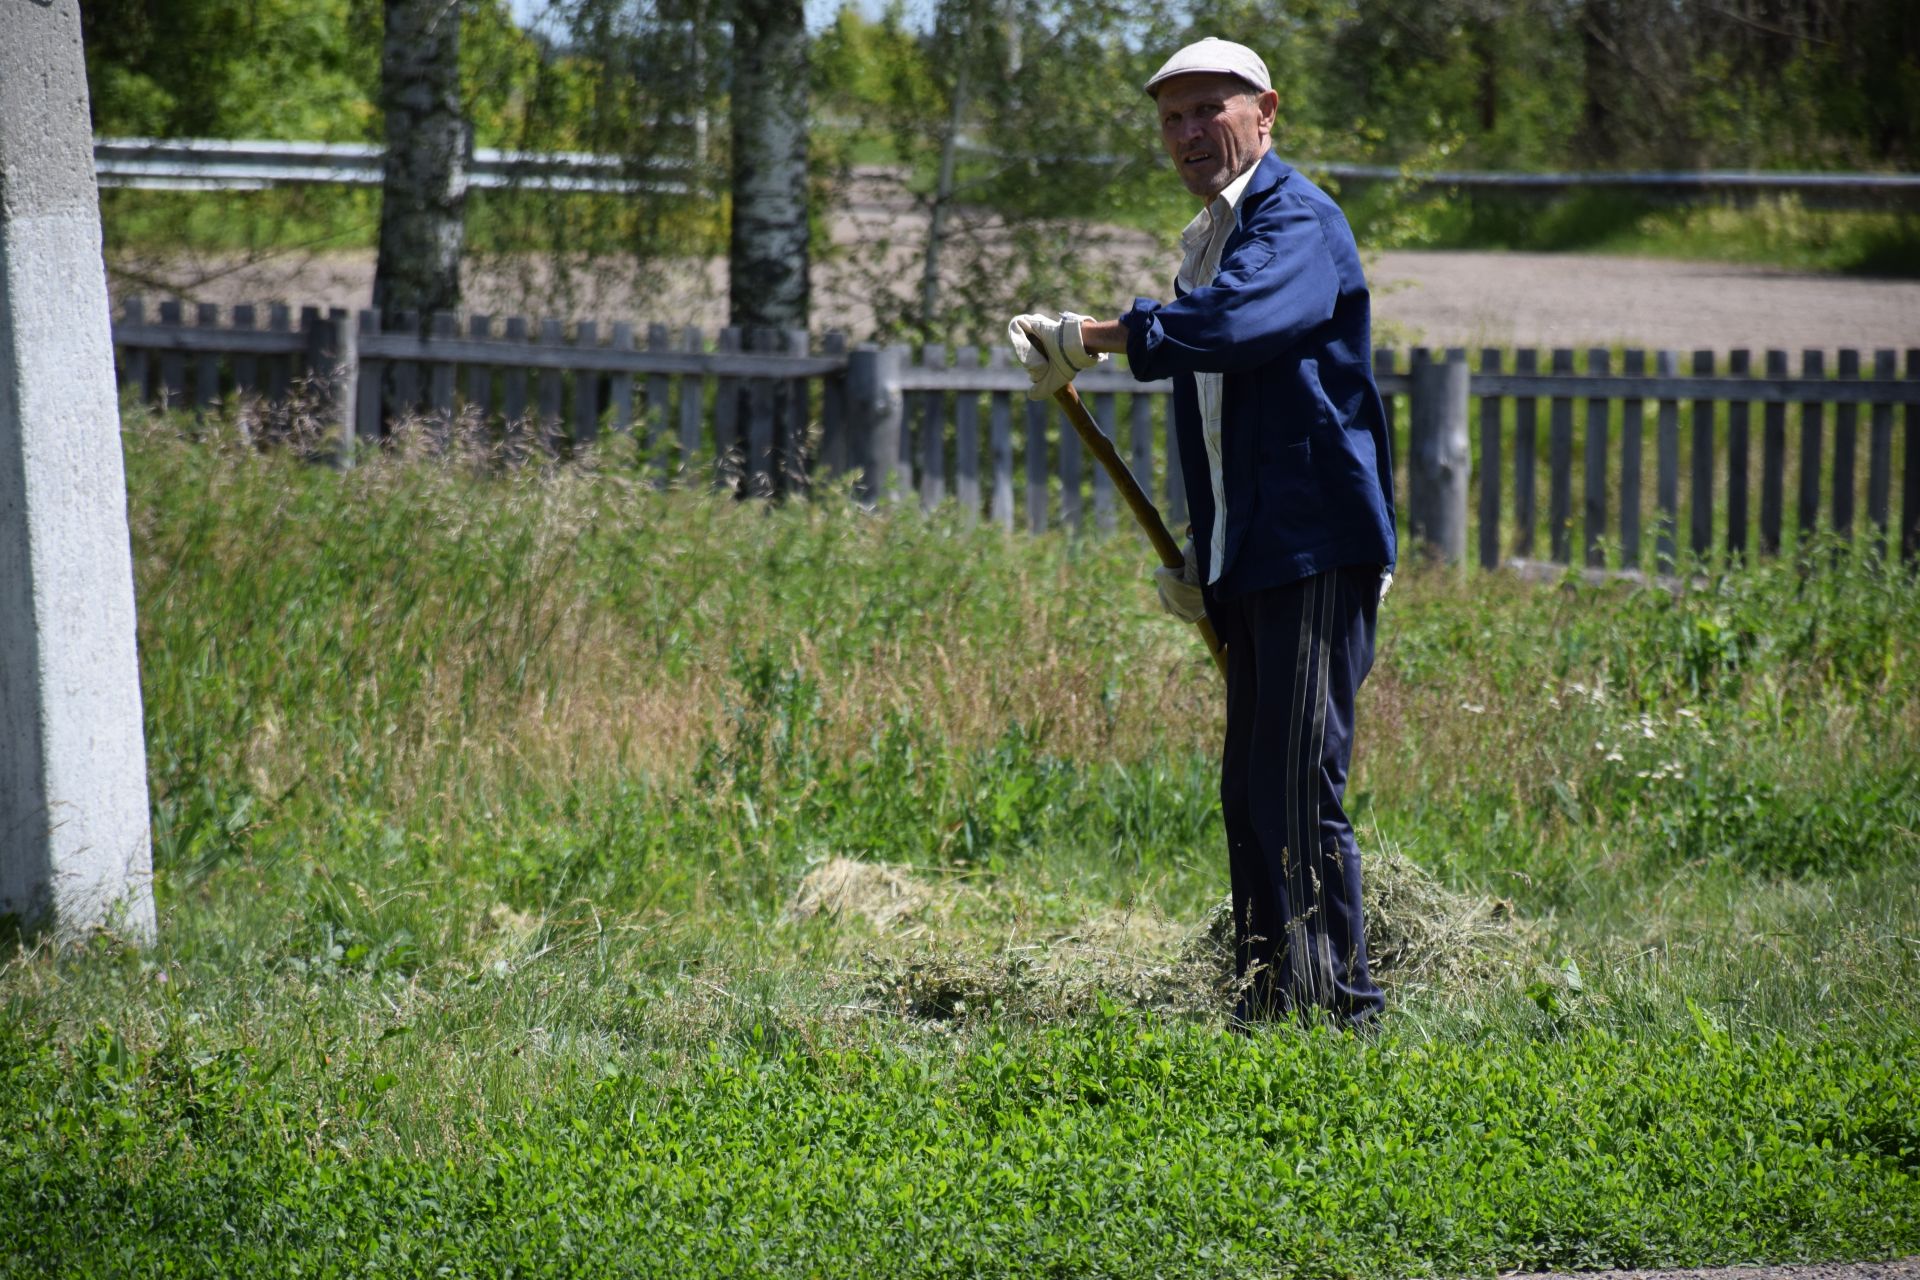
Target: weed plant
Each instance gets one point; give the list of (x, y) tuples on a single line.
[(483, 799)]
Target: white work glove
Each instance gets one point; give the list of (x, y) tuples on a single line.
[(1180, 588), (1051, 351), (1386, 584)]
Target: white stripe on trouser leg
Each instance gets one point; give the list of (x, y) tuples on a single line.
[(1322, 953), (1299, 954)]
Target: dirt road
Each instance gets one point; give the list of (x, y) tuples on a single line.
[(1438, 298), (1539, 299), (1434, 297)]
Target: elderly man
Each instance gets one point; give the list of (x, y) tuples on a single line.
[(1284, 447)]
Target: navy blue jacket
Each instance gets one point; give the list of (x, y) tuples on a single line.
[(1305, 454)]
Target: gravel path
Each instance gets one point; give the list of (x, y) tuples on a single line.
[(1569, 300), (1440, 298)]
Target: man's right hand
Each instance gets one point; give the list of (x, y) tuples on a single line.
[(1179, 589), (1050, 350)]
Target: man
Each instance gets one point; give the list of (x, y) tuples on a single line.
[(1284, 447)]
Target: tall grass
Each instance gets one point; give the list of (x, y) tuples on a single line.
[(480, 798)]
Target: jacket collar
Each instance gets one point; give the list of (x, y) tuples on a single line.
[(1269, 173)]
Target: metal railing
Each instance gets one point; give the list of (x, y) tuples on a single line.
[(208, 164), (211, 164)]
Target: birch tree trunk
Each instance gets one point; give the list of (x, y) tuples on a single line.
[(424, 187), (767, 246)]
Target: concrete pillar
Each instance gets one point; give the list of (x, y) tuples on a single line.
[(74, 846), (1439, 467)]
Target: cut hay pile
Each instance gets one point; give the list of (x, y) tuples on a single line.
[(885, 896), (1420, 935)]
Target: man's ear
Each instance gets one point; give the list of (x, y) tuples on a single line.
[(1268, 101)]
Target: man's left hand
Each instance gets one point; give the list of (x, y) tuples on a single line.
[(1050, 350)]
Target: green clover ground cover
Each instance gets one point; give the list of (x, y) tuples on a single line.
[(481, 800), (1115, 1147)]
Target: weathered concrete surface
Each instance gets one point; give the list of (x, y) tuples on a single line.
[(74, 841)]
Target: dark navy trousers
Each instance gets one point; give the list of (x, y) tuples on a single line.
[(1296, 655)]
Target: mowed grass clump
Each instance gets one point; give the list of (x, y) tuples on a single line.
[(488, 805)]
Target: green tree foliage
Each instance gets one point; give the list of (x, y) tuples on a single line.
[(283, 70), (232, 68), (1011, 126)]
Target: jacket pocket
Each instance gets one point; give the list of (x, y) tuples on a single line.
[(1290, 479)]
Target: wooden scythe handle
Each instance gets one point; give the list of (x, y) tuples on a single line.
[(1137, 502)]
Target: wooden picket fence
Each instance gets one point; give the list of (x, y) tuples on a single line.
[(1667, 464), (1670, 458)]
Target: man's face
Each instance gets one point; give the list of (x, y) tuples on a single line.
[(1214, 126)]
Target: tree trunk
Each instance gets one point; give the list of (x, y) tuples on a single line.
[(424, 186), (767, 249), (1598, 141), (942, 197)]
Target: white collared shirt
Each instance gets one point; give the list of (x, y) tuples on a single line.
[(1203, 242)]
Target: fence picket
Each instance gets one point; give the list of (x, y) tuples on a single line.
[(761, 427), (656, 426), (794, 457), (1526, 444), (1000, 442), (1599, 362), (905, 485), (1910, 471), (368, 422), (1176, 482), (1739, 450), (403, 377), (173, 364), (729, 455), (1037, 466), (1490, 409), (206, 365), (279, 369), (932, 433), (134, 363), (550, 388), (620, 386), (1846, 449), (1773, 463), (1385, 361), (246, 366), (1560, 466), (1813, 364), (440, 375), (1700, 495), (514, 392), (1140, 439), (480, 376), (1667, 469), (693, 404), (1632, 464), (586, 388), (1072, 512), (1880, 453), (1105, 416), (966, 440), (833, 409)]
